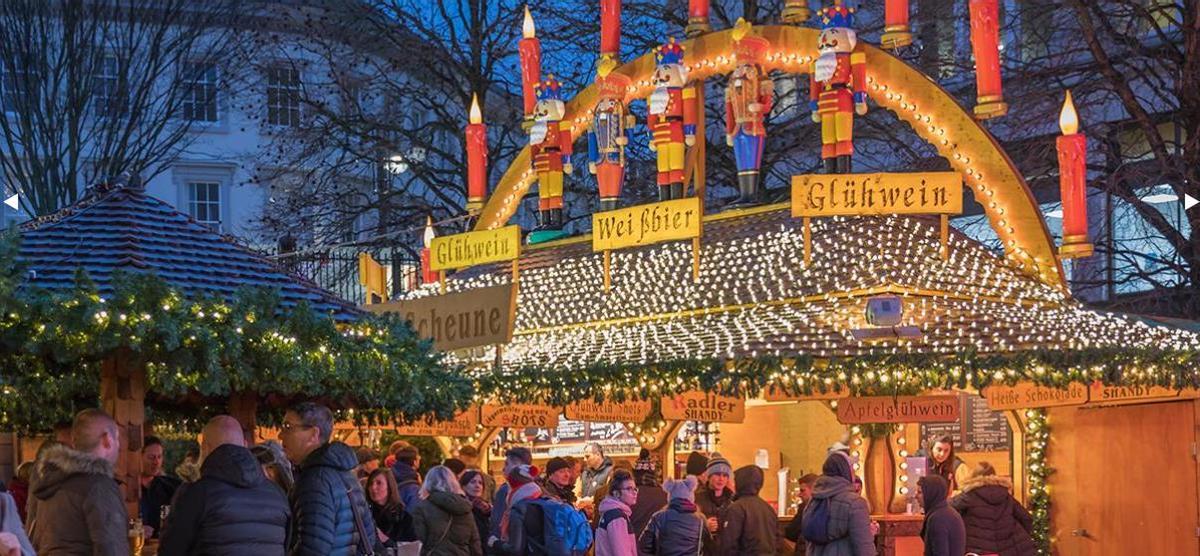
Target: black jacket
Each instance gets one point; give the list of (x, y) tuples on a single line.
[(795, 530), (444, 525), (529, 539), (394, 521), (161, 492), (711, 505), (232, 509), (651, 499), (994, 520), (750, 527), (322, 518), (676, 531), (943, 530)]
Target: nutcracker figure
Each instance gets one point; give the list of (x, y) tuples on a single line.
[(550, 147), (838, 80), (748, 98), (607, 137), (671, 118)]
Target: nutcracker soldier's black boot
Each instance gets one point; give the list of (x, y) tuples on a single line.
[(830, 165), (747, 188), (843, 164), (664, 192), (677, 191)]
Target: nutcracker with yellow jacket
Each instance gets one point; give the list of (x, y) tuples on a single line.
[(748, 99), (671, 118), (837, 86), (550, 147)]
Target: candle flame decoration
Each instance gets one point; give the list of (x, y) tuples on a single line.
[(476, 116), (1068, 120), (429, 235), (527, 28)]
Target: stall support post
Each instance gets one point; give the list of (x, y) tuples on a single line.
[(123, 396), (243, 406), (879, 470)]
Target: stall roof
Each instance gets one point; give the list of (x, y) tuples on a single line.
[(121, 228), (756, 297)]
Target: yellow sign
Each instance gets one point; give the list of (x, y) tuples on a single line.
[(646, 224), (776, 394), (463, 424), (708, 408), (630, 411), (871, 194), (373, 277), (1099, 394), (897, 409), (472, 248), (471, 318), (1026, 395), (522, 416)]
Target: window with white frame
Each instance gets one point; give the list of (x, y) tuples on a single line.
[(200, 92), (204, 202), (283, 96), (109, 96)]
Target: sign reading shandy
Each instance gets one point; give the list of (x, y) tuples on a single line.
[(708, 408), (646, 224), (472, 248), (816, 195)]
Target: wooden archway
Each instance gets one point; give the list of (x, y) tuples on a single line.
[(892, 84)]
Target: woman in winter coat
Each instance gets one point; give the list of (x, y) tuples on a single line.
[(614, 534), (847, 531), (442, 520), (943, 530), (474, 486), (996, 523), (393, 523), (679, 529)]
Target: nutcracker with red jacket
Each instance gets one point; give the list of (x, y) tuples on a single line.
[(837, 88), (748, 99), (671, 118), (607, 137), (550, 147)]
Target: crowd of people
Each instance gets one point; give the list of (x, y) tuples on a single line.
[(311, 495)]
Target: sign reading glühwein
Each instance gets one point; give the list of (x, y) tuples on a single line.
[(897, 409), (472, 318), (646, 224), (472, 248), (629, 411), (815, 195)]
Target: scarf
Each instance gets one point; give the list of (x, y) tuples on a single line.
[(524, 492)]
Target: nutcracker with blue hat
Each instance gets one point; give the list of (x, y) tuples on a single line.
[(837, 86), (550, 150), (671, 117), (748, 99), (608, 137)]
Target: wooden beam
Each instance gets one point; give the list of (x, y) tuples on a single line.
[(123, 396), (243, 406)]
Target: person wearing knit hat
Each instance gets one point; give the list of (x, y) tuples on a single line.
[(558, 482), (696, 463), (677, 530), (651, 497), (714, 497), (718, 464)]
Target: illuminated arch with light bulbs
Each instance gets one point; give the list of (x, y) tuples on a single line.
[(892, 84)]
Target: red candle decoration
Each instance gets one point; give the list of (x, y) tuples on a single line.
[(698, 18), (1072, 182), (896, 31), (428, 276), (530, 49), (985, 43), (610, 28), (476, 158)]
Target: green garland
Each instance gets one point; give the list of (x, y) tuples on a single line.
[(1037, 437), (197, 351), (895, 374)]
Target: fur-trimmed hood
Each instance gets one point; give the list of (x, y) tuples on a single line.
[(61, 463), (989, 480)]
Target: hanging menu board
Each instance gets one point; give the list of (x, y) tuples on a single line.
[(978, 428)]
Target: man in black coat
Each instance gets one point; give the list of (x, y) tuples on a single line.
[(943, 530), (328, 506), (749, 527), (233, 508)]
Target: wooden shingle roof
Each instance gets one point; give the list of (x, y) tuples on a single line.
[(122, 228)]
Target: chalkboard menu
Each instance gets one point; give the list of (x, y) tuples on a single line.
[(979, 429)]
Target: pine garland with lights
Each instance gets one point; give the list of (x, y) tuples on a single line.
[(200, 350), (1037, 436)]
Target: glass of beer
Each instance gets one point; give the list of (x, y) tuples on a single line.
[(137, 537)]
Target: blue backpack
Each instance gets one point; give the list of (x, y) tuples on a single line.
[(815, 527), (567, 530)]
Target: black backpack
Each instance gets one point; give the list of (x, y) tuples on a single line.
[(815, 527)]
